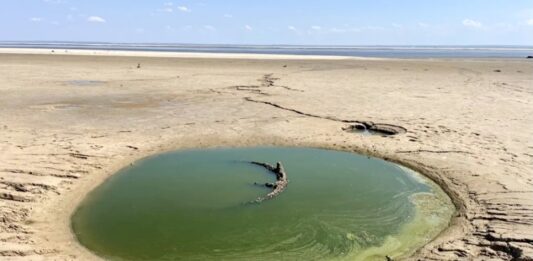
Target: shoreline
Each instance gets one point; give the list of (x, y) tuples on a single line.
[(60, 140), (88, 186), (222, 55), (161, 54), (85, 187)]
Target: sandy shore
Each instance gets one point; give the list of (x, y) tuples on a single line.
[(67, 122), (154, 54)]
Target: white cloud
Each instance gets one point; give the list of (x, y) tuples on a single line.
[(530, 22), (209, 27), (345, 30), (372, 28), (36, 19), (395, 25), (96, 19), (228, 16), (292, 28), (184, 9), (423, 25), (168, 7), (472, 23), (316, 27), (248, 28)]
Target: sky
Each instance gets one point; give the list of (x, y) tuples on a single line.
[(308, 22)]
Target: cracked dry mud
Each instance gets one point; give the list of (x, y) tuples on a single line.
[(466, 128)]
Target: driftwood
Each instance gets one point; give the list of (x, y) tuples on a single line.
[(281, 180)]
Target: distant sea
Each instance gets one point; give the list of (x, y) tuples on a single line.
[(421, 51)]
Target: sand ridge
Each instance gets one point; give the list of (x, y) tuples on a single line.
[(465, 122)]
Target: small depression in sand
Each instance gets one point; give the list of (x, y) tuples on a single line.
[(85, 82), (198, 205), (369, 128)]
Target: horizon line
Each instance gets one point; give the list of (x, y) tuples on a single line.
[(257, 45)]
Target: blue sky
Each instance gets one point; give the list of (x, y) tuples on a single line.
[(342, 22)]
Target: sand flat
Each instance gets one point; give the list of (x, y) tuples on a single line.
[(468, 127)]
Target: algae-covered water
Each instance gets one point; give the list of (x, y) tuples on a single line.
[(194, 205)]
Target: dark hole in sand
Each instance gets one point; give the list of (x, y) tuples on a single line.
[(370, 128)]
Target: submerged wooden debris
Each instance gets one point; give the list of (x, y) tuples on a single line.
[(277, 187)]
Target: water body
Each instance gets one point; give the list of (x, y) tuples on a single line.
[(450, 51), (194, 205)]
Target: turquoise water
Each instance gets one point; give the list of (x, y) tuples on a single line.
[(193, 205)]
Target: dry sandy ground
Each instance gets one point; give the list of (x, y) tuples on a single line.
[(468, 128)]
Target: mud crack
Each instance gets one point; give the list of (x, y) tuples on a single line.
[(267, 81), (382, 128), (434, 151)]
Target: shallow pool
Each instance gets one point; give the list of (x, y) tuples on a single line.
[(195, 205)]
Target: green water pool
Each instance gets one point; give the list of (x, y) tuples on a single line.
[(194, 205)]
